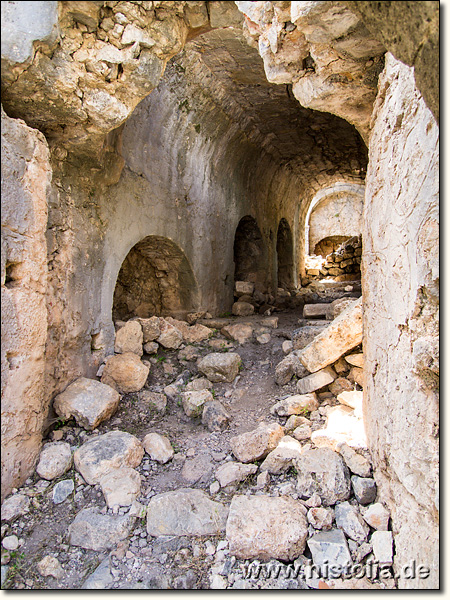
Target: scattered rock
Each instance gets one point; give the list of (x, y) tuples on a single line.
[(338, 306), (243, 287), (193, 402), (353, 399), (196, 385), (158, 447), (234, 472), (377, 516), (215, 417), (193, 317), (356, 360), (316, 381), (220, 367), (185, 512), (121, 486), (239, 332), (263, 480), (351, 522), (305, 335), (341, 384), (382, 544), (106, 452), (295, 421), (92, 530), (357, 376), (287, 368), (287, 347), (322, 471), (214, 487), (365, 489), (150, 329), (301, 433), (197, 469), (313, 502), (265, 527), (151, 348), (125, 373), (101, 578), (170, 337), (242, 309), (129, 338), (253, 445), (263, 338), (281, 458), (10, 542), (55, 460), (154, 401), (15, 506), (295, 405), (62, 490), (329, 548), (88, 401), (191, 334), (357, 463), (321, 518), (50, 566)]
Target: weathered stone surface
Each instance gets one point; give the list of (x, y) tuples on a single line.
[(93, 531), (55, 460), (129, 338), (295, 421), (256, 444), (353, 399), (305, 335), (100, 578), (341, 384), (281, 458), (344, 333), (242, 309), (377, 516), (316, 381), (170, 336), (50, 566), (365, 489), (191, 334), (287, 347), (330, 547), (234, 472), (302, 432), (150, 329), (196, 385), (323, 472), (315, 310), (239, 332), (321, 518), (197, 469), (351, 522), (62, 490), (153, 401), (338, 306), (125, 373), (243, 287), (88, 401), (295, 405), (264, 527), (357, 376), (121, 486), (356, 360), (214, 416), (382, 544), (220, 367), (158, 447), (287, 368), (193, 402), (106, 452), (15, 506), (10, 542), (357, 463), (185, 512)]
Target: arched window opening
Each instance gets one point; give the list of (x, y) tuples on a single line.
[(250, 257)]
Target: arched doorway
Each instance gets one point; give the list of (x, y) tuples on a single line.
[(250, 256), (155, 279), (285, 256)]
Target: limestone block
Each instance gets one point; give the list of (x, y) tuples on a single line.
[(330, 547), (382, 543), (253, 445), (129, 338), (185, 512), (158, 447), (125, 373), (54, 460), (343, 334), (234, 472), (357, 376), (353, 399), (316, 381), (265, 527), (15, 506), (322, 472), (88, 401), (295, 405), (214, 416), (305, 335), (150, 329), (281, 458), (242, 309), (220, 367), (356, 360), (315, 310), (351, 522), (239, 332), (357, 463), (170, 337), (120, 487), (320, 517), (377, 516), (106, 452), (192, 334), (193, 402), (242, 288), (93, 531)]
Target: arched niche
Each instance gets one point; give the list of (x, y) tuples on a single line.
[(285, 256), (250, 254), (155, 279)]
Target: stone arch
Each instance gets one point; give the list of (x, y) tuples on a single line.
[(285, 255), (155, 279), (250, 253)]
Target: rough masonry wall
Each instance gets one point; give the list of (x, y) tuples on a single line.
[(26, 176), (401, 315)]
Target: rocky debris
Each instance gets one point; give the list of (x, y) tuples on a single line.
[(151, 347), (158, 447), (343, 334), (377, 516), (342, 425), (315, 310), (170, 336), (365, 489), (101, 578), (220, 367), (88, 401), (287, 346), (129, 338), (55, 459), (185, 512), (196, 385), (239, 332), (215, 417), (15, 506), (242, 309), (287, 368), (62, 490), (382, 544), (254, 445), (125, 373), (50, 566), (329, 548), (357, 463), (197, 469), (305, 335), (10, 542), (339, 385), (104, 453), (322, 471), (316, 381), (120, 487), (154, 401), (242, 288), (193, 317), (189, 353), (191, 334), (265, 527), (281, 458), (150, 329), (193, 402), (93, 530), (351, 522), (295, 405), (263, 480), (338, 306), (301, 433), (357, 376), (320, 517), (295, 421), (233, 472), (355, 360)]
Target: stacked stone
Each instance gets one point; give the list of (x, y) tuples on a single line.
[(253, 298), (342, 265)]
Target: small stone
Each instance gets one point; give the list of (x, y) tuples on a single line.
[(220, 367), (329, 548), (254, 445), (100, 578), (314, 501), (196, 385), (287, 368), (50, 566), (158, 447), (341, 384), (281, 458), (321, 518), (365, 489), (264, 338), (357, 376), (214, 488), (302, 433), (322, 471), (316, 381), (263, 480), (351, 522), (62, 490), (93, 531), (357, 463), (242, 309), (154, 401), (120, 487), (287, 346), (57, 435), (129, 338), (382, 543), (215, 417), (234, 472), (193, 402), (242, 288), (295, 405), (356, 360), (239, 332), (377, 516), (125, 373), (55, 459), (150, 329), (196, 469), (15, 506), (151, 347), (170, 336), (353, 399), (10, 542), (295, 421)]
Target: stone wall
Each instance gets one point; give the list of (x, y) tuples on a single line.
[(400, 292), (26, 176)]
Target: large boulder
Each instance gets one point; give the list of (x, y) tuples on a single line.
[(93, 531), (55, 460), (129, 338), (220, 367), (125, 373), (107, 452), (185, 512), (264, 527), (90, 402), (343, 334), (253, 445), (322, 472)]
